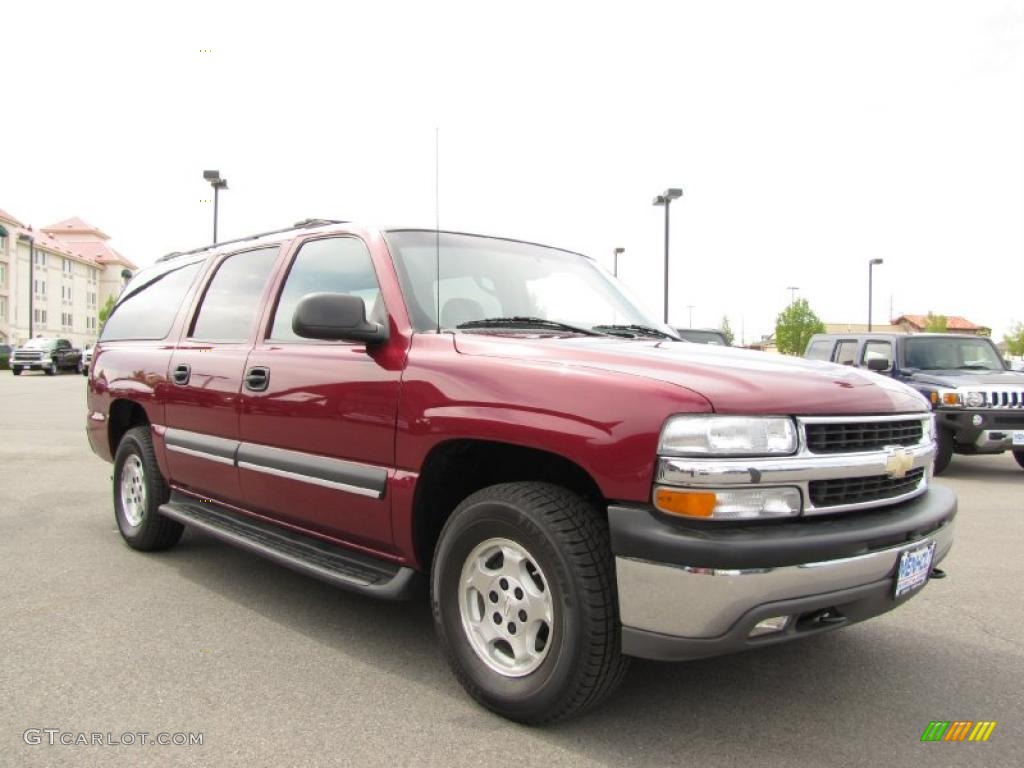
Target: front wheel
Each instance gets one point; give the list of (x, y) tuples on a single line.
[(16, 371), (523, 594), (51, 370), (1019, 456), (139, 490), (943, 450)]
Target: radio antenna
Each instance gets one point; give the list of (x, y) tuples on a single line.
[(437, 222)]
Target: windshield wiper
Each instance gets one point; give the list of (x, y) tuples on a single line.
[(525, 322), (635, 330), (975, 368)]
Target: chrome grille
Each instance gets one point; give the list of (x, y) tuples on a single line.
[(28, 357), (1004, 398), (853, 436), (858, 490)]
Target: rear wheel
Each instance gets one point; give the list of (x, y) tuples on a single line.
[(943, 450), (1019, 456), (523, 593), (139, 490)]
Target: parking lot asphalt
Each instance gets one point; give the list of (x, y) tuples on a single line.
[(273, 668)]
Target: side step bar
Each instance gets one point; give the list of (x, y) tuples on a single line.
[(343, 568)]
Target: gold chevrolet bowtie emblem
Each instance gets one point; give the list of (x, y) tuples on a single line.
[(898, 463)]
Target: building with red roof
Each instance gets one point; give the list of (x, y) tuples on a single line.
[(59, 276)]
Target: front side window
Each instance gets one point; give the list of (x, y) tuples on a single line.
[(486, 277), (232, 298), (332, 265), (149, 312), (877, 350)]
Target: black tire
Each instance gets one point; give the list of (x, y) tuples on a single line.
[(1019, 456), (16, 371), (151, 531), (50, 371), (943, 450), (568, 540), (79, 368)]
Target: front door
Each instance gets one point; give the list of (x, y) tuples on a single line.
[(206, 377), (318, 418)]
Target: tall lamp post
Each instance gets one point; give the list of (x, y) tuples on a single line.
[(666, 199), (792, 292), (218, 184), (871, 266), (690, 307), (615, 263)]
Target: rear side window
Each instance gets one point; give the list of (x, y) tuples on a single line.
[(877, 350), (332, 265), (846, 352), (232, 298), (149, 312), (819, 350)]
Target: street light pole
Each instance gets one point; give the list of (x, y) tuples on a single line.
[(690, 307), (615, 263), (792, 292), (666, 199), (871, 266), (218, 184)]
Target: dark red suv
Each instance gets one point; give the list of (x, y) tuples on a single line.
[(498, 421)]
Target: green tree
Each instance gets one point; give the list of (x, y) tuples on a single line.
[(726, 330), (935, 323), (794, 327), (105, 310), (1015, 339)]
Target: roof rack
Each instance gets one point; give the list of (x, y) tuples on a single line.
[(304, 224)]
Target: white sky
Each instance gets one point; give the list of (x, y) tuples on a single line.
[(808, 136)]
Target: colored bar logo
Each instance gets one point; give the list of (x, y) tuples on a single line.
[(958, 730)]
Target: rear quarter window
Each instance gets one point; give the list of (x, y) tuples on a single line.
[(149, 312), (819, 350)]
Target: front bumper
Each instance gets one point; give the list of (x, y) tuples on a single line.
[(992, 434), (688, 591)]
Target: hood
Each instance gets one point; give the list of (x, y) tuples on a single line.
[(732, 380), (968, 379)]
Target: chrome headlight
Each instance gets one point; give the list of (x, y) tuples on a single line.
[(975, 399), (707, 435)]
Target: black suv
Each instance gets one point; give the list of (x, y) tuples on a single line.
[(48, 355), (978, 401)]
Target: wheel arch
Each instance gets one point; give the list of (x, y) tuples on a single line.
[(123, 415), (456, 468)]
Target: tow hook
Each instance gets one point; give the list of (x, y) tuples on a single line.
[(937, 573)]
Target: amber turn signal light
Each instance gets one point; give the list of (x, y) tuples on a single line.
[(685, 503)]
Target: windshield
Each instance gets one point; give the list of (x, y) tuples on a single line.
[(39, 343), (954, 353), (486, 278)]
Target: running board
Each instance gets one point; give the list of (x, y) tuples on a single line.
[(343, 568)]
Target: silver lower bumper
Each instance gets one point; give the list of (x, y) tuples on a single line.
[(704, 603), (994, 440)]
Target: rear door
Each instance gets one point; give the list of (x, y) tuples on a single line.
[(206, 375), (318, 417)]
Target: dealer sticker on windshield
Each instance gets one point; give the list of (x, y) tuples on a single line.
[(1018, 438), (915, 565)]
